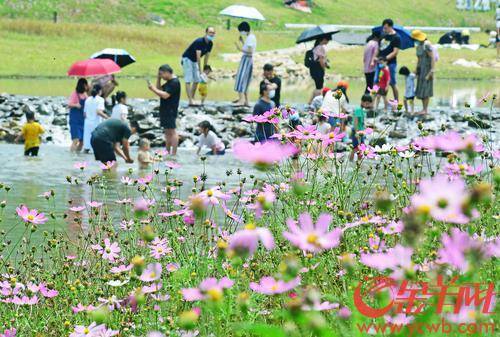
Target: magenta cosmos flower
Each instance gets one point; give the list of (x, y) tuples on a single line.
[(310, 237), (442, 199), (210, 288), (264, 154), (270, 286), (9, 333), (109, 252), (397, 259), (80, 165), (332, 137), (108, 165), (31, 215), (246, 241), (151, 273)]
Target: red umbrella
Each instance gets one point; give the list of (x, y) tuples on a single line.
[(93, 67)]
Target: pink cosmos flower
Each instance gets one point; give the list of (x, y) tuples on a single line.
[(80, 307), (94, 204), (152, 288), (159, 248), (397, 259), (25, 300), (366, 151), (46, 195), (332, 137), (344, 313), (87, 331), (108, 166), (230, 213), (172, 267), (46, 292), (172, 165), (80, 165), (145, 180), (121, 269), (127, 180), (457, 170), (270, 286), (263, 154), (31, 215), (304, 132), (213, 195), (77, 208), (246, 241), (9, 333), (110, 251), (310, 237), (442, 199), (151, 273), (450, 141), (207, 288), (457, 245), (393, 227), (320, 306), (141, 205)]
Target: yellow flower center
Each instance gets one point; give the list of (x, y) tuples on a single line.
[(312, 238), (152, 275), (86, 331), (210, 193), (274, 287), (108, 250), (424, 209), (214, 294), (250, 226), (30, 217), (365, 218)]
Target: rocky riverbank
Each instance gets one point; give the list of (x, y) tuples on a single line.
[(52, 113)]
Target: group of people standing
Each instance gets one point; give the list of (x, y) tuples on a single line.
[(381, 64)]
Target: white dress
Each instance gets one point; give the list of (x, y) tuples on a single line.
[(92, 119), (120, 111)]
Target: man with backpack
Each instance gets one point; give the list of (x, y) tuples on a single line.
[(315, 59)]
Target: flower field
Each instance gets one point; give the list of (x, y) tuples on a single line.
[(296, 251)]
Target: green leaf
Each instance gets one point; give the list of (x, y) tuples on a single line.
[(263, 330)]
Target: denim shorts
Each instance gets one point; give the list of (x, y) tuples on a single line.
[(191, 71)]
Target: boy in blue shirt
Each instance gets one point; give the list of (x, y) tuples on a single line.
[(409, 88), (358, 128)]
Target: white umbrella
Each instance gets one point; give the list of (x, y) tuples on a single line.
[(243, 12)]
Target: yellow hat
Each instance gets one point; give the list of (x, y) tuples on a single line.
[(418, 35)]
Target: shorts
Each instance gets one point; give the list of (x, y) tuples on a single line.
[(356, 141), (318, 75), (167, 120), (103, 151), (392, 70), (203, 89), (76, 130), (410, 98), (32, 151), (191, 71)]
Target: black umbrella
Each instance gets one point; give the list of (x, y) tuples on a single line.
[(120, 56), (317, 32)]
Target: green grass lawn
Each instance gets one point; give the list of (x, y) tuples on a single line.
[(202, 12), (39, 48)]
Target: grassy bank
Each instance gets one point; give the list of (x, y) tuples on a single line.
[(46, 49), (200, 12)]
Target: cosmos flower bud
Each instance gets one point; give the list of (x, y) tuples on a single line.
[(243, 301), (188, 319), (138, 263), (99, 315), (383, 201), (148, 234), (481, 193)]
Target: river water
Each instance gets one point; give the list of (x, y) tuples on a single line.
[(446, 92), (30, 177)]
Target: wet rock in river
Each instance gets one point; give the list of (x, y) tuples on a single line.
[(477, 123), (397, 134), (60, 120)]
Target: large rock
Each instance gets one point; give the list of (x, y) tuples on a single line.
[(60, 120), (477, 123)]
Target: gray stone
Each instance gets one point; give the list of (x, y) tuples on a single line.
[(397, 134), (477, 123), (60, 120)]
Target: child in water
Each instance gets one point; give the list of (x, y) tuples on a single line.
[(384, 78), (31, 133), (209, 139), (357, 134), (203, 85), (144, 157)]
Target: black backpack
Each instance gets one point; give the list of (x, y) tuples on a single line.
[(309, 61)]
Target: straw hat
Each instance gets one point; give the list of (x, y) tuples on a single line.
[(418, 35)]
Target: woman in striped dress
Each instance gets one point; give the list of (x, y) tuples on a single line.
[(247, 45)]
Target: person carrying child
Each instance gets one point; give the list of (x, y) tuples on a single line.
[(31, 133), (357, 134), (144, 157), (409, 88), (209, 139), (384, 78), (203, 85)]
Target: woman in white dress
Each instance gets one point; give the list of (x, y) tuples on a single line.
[(94, 114), (247, 45)]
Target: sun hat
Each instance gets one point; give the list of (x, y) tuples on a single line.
[(343, 84), (418, 35)]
